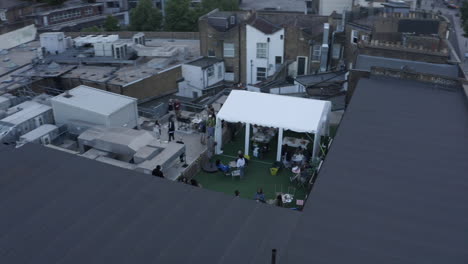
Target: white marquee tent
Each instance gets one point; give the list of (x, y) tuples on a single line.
[(276, 111)]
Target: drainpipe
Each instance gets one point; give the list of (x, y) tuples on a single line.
[(251, 71), (268, 58)]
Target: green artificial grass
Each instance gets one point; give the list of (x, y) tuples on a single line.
[(257, 174)]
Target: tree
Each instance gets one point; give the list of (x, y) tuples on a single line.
[(464, 17), (91, 29), (180, 17), (223, 5), (145, 17), (55, 2), (111, 24)]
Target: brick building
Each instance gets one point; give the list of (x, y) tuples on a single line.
[(223, 35)]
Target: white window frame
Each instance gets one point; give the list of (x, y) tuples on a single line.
[(210, 71), (354, 36), (317, 52), (261, 75), (261, 50), (220, 71), (336, 52), (229, 50)]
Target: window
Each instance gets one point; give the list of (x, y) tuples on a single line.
[(365, 38), (354, 36), (3, 16), (220, 71), (88, 11), (261, 50), (316, 53), (261, 74), (210, 71), (232, 20), (228, 50), (211, 53), (336, 52)]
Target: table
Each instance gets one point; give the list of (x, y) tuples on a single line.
[(233, 164), (287, 198), (296, 142), (297, 158), (261, 137)]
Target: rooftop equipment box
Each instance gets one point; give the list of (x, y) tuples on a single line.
[(94, 106)]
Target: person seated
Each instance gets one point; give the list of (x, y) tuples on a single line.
[(279, 201), (260, 196), (157, 172), (222, 167), (195, 183)]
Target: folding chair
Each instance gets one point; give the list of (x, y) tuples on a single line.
[(236, 173)]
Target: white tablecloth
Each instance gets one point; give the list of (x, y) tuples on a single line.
[(296, 142)]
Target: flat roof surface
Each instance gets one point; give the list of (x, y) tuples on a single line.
[(76, 210), (94, 100), (31, 110), (365, 62), (393, 187), (17, 57), (204, 62), (278, 5)]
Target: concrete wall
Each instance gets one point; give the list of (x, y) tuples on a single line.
[(212, 40), (196, 79), (275, 47), (18, 37), (326, 7), (155, 86)]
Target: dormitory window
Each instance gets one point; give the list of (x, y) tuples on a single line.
[(354, 36), (261, 50), (220, 71), (211, 53), (210, 71), (228, 50), (336, 51), (316, 54), (88, 11), (261, 74), (65, 15)]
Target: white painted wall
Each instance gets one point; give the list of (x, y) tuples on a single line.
[(196, 79), (326, 7), (53, 42), (274, 48), (288, 89), (17, 37)]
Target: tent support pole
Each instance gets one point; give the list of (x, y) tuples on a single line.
[(247, 139), (280, 144), (218, 136)]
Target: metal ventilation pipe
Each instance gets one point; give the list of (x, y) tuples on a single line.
[(273, 256)]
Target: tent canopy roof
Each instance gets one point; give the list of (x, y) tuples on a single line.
[(279, 111)]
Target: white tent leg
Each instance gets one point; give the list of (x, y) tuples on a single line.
[(247, 139), (315, 150), (218, 136), (280, 144)]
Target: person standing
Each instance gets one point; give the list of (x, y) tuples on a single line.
[(177, 107), (240, 164), (210, 124), (170, 107), (157, 129), (237, 193), (157, 172), (171, 129)]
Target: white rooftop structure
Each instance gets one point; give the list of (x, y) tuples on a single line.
[(95, 106), (277, 111), (91, 39), (27, 110)]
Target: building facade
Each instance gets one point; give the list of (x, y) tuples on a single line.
[(265, 50)]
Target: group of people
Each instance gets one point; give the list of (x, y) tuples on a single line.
[(260, 197), (241, 163), (192, 181)]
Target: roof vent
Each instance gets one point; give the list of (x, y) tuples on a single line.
[(67, 94)]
